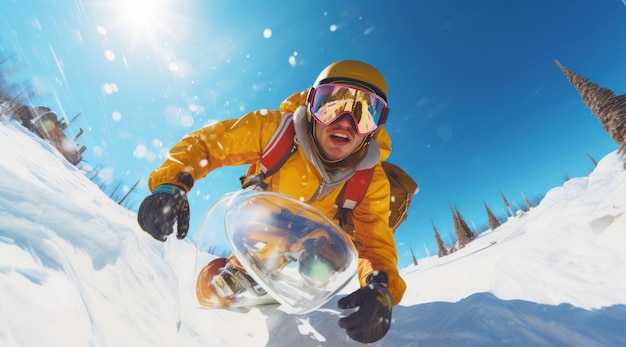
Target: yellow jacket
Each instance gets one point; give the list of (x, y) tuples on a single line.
[(241, 141)]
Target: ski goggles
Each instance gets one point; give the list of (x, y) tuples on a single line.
[(331, 101)]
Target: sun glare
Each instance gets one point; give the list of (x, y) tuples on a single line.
[(141, 21), (141, 15)]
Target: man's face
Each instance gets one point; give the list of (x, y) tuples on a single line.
[(339, 139)]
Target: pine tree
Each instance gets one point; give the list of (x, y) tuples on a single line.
[(470, 234), (463, 233), (460, 236), (413, 256), (609, 109), (527, 201), (443, 251), (493, 221), (506, 203)]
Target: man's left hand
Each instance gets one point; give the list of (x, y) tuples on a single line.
[(373, 319)]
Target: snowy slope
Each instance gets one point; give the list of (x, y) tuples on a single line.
[(76, 270)]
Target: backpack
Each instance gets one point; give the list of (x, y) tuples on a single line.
[(283, 144)]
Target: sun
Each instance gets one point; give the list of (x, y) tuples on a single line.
[(142, 16), (140, 22)]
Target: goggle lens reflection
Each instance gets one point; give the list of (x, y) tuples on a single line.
[(331, 101)]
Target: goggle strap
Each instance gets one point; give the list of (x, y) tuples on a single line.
[(309, 95), (383, 116)]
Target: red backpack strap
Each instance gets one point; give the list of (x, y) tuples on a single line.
[(354, 189), (279, 148)]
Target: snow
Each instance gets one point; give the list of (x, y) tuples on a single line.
[(76, 270)]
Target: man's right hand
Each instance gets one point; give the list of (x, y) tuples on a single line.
[(163, 211)]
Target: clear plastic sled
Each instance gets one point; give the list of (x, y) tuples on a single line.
[(289, 250)]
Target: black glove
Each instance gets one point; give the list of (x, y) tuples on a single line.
[(373, 319), (164, 209)]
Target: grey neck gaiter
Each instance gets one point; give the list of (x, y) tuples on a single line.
[(330, 179)]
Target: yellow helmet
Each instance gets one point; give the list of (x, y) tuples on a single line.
[(354, 71)]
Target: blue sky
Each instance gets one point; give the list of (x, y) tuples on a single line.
[(478, 105)]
